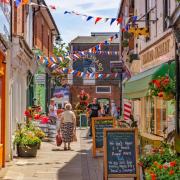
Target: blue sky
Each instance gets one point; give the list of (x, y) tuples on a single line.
[(71, 26)]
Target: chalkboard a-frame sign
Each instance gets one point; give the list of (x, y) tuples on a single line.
[(98, 125), (83, 120), (121, 153)]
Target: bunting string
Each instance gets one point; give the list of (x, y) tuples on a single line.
[(101, 19), (53, 62)]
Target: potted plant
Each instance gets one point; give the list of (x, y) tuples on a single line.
[(40, 134), (163, 87), (125, 43), (133, 57), (26, 142), (127, 35)]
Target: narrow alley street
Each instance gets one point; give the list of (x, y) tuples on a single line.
[(54, 163)]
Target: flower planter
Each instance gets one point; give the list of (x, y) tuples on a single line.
[(168, 97), (27, 151), (39, 146)]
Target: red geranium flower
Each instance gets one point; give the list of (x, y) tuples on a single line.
[(157, 83), (153, 176), (44, 120), (37, 116), (26, 113), (160, 94), (165, 166), (171, 172), (172, 164)]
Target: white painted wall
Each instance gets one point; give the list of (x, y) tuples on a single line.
[(29, 28), (156, 28)]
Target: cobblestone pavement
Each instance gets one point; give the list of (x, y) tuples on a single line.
[(53, 163)]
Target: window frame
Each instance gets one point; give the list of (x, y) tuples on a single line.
[(110, 90)]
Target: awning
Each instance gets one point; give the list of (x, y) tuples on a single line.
[(137, 86)]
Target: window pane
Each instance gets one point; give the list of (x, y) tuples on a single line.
[(170, 116), (161, 123)]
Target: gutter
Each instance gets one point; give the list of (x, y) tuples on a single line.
[(52, 19)]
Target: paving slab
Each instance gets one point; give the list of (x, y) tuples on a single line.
[(53, 163)]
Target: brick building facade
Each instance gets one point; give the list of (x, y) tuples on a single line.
[(104, 89)]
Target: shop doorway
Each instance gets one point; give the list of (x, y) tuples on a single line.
[(105, 106)]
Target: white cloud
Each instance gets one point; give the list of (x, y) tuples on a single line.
[(78, 5), (71, 26)]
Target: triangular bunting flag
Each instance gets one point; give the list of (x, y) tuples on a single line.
[(97, 20), (89, 18), (119, 20), (112, 21)]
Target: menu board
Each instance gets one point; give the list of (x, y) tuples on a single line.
[(120, 148), (98, 125), (83, 120)]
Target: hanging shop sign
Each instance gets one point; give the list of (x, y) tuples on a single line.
[(121, 153), (40, 79), (98, 125), (116, 66), (159, 52)]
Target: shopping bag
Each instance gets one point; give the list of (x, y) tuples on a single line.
[(74, 137), (58, 139)]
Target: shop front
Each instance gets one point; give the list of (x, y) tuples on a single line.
[(157, 114)]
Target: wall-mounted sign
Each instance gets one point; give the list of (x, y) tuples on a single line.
[(162, 51), (40, 78), (116, 66), (60, 92)]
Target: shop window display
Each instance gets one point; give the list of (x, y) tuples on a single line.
[(159, 116)]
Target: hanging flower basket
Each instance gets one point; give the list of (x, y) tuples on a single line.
[(127, 35), (163, 87), (125, 43), (168, 97)]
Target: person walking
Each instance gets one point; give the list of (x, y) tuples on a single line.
[(94, 110), (68, 126), (52, 112)]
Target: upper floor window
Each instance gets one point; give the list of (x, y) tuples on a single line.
[(147, 16), (103, 89), (166, 13)]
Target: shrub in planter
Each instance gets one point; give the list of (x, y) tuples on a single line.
[(27, 142)]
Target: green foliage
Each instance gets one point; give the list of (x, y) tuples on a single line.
[(162, 87), (25, 136), (161, 164)]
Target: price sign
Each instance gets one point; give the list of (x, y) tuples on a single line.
[(98, 125), (120, 153)]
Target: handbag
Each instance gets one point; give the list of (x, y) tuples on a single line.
[(58, 139), (74, 137)]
